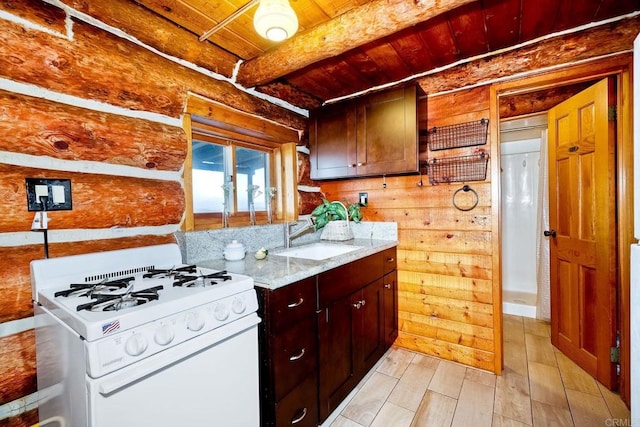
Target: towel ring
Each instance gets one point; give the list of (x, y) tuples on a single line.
[(466, 189)]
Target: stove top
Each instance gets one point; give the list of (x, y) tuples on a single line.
[(102, 293)]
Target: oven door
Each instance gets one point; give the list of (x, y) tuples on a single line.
[(210, 380)]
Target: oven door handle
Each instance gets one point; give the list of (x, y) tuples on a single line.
[(120, 379)]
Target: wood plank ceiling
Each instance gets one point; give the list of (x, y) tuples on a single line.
[(346, 46)]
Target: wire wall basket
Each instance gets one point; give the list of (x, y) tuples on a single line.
[(458, 169), (458, 135)]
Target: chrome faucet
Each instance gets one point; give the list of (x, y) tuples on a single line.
[(289, 235)]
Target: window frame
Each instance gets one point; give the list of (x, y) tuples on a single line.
[(237, 129)]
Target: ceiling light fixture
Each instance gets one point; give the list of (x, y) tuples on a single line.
[(275, 20)]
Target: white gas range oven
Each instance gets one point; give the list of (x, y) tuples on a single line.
[(133, 337)]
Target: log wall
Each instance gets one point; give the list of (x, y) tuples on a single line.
[(445, 256), (78, 102)]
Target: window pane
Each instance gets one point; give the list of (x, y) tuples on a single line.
[(251, 178), (208, 177)]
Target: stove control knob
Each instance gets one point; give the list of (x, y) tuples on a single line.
[(238, 305), (164, 335), (135, 345), (195, 321), (221, 312)]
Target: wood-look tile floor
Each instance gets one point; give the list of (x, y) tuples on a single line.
[(539, 387)]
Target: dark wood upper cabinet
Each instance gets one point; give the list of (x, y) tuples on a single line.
[(373, 135)]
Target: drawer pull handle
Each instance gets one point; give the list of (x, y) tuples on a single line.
[(301, 417), (387, 285), (391, 259), (297, 356), (296, 304)]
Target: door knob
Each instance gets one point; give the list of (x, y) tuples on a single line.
[(551, 233)]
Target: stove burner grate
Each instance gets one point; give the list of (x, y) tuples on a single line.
[(168, 272), (201, 279), (118, 302), (94, 289)]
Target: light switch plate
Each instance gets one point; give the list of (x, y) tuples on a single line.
[(55, 193)]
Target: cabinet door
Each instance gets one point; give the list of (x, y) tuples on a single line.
[(387, 132), (336, 353), (390, 290), (332, 139), (369, 333)]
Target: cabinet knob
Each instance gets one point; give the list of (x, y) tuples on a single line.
[(357, 305), (296, 304), (387, 285), (363, 302), (351, 165), (301, 417), (297, 356), (360, 164)]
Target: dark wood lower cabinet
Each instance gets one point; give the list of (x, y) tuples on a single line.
[(300, 407), (288, 355), (320, 336)]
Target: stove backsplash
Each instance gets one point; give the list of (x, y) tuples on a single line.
[(198, 246)]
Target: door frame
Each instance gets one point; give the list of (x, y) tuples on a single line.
[(618, 66)]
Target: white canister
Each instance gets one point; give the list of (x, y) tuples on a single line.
[(234, 251)]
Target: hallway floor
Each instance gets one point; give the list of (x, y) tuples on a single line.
[(539, 387)]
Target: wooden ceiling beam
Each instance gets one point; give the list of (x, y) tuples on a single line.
[(157, 32), (359, 26)]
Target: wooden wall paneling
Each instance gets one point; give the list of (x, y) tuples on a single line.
[(99, 201), (15, 282), (458, 353), (445, 308), (455, 287), (435, 218), (39, 127), (447, 330), (103, 67), (452, 265), (445, 110), (454, 241), (17, 374)]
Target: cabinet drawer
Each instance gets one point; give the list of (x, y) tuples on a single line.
[(294, 355), (291, 303), (389, 259), (300, 407), (344, 280)]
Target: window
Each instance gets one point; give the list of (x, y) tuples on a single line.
[(240, 169), (218, 182)]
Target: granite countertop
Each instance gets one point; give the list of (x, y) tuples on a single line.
[(276, 271)]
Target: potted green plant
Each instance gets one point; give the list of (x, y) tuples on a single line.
[(336, 216)]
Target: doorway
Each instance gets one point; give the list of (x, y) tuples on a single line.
[(536, 87), (522, 202)]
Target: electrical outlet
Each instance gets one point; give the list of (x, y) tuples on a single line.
[(45, 194), (363, 199)]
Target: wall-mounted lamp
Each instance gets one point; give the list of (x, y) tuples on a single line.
[(275, 20)]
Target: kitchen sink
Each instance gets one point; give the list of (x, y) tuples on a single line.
[(318, 251)]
